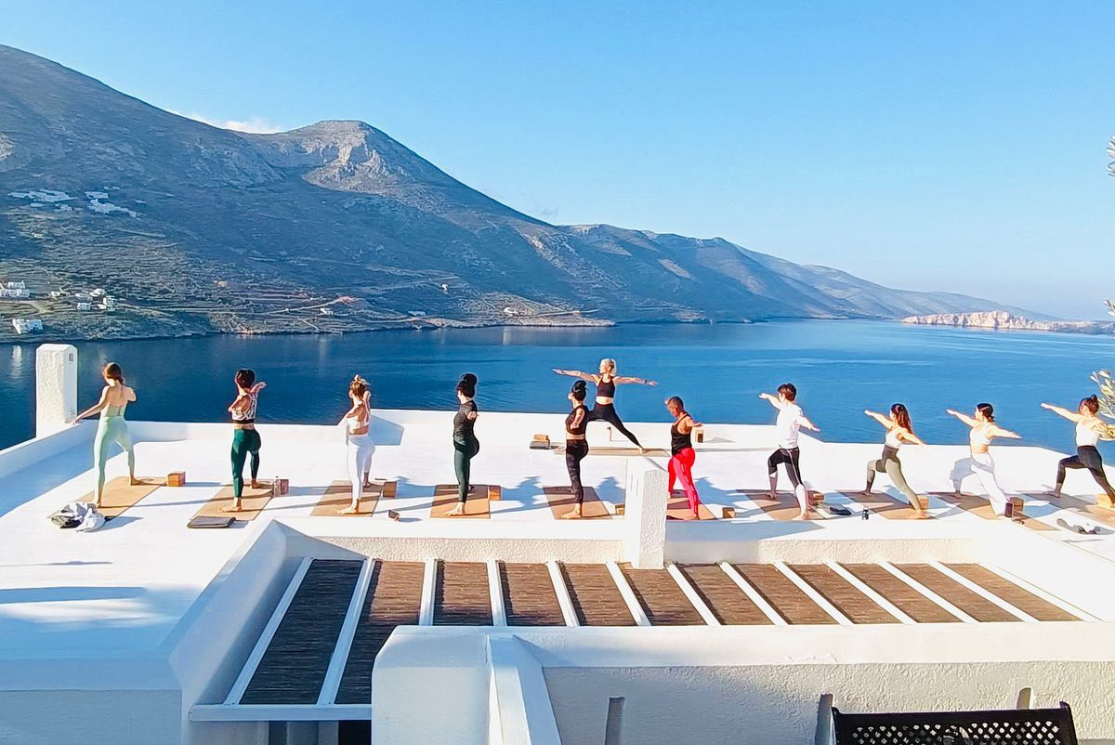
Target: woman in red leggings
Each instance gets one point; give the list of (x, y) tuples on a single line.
[(683, 455)]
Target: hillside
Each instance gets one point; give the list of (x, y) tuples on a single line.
[(332, 227)]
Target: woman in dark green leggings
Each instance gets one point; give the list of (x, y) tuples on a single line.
[(465, 444), (245, 439)]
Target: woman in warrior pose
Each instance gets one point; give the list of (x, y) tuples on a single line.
[(790, 420), (465, 444), (245, 438), (604, 408), (682, 454), (979, 462), (899, 430), (1089, 430), (115, 397), (359, 446), (576, 445)]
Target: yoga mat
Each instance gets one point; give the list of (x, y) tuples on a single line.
[(785, 507), (881, 503), (1078, 506), (338, 495), (445, 499), (560, 499), (253, 502), (981, 507), (677, 508), (119, 495)]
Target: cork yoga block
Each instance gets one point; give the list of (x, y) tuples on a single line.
[(176, 478)]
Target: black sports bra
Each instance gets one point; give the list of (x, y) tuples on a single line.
[(606, 388), (679, 441), (580, 428)]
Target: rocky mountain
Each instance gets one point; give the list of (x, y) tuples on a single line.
[(1010, 322), (332, 227)]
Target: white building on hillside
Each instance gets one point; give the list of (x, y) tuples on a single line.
[(27, 325), (84, 306)]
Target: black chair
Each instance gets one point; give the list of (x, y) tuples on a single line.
[(1006, 727)]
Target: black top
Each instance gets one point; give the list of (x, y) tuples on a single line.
[(462, 425), (580, 428), (606, 388), (679, 441)]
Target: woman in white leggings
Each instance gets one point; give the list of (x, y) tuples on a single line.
[(979, 461), (358, 441)]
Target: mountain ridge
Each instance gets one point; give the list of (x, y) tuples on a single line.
[(337, 226)]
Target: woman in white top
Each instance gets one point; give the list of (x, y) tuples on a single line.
[(899, 430), (790, 419), (1089, 430), (979, 462), (358, 441)]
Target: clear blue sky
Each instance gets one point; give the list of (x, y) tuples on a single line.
[(947, 145)]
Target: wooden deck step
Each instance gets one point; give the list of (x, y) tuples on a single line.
[(663, 601), (293, 668), (975, 605), (595, 596), (728, 603), (461, 594), (529, 596), (843, 594), (1019, 597), (901, 595), (394, 599), (788, 599)]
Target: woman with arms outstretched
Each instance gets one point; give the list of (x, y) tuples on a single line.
[(979, 461), (465, 444), (115, 397), (682, 454), (604, 408), (358, 440), (790, 420), (899, 431), (1090, 429), (576, 446), (245, 438)]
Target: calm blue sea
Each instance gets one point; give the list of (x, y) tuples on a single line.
[(840, 368)]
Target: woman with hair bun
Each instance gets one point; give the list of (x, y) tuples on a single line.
[(358, 440), (112, 427), (576, 445), (245, 438), (979, 462), (604, 408), (899, 430), (1090, 429), (465, 444)]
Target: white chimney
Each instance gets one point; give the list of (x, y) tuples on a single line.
[(55, 387)]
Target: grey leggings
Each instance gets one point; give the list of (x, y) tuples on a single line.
[(892, 467)]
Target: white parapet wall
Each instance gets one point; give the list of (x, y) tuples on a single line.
[(645, 514), (55, 387)]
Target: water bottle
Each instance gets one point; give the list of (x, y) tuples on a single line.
[(866, 513)]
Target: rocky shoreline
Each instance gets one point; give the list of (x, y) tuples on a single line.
[(1003, 321)]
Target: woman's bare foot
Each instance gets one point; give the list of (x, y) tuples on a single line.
[(352, 509), (255, 484), (456, 511), (136, 482), (866, 492), (1055, 493), (773, 494), (803, 516), (368, 484), (696, 515), (97, 503), (236, 506), (573, 514), (921, 515), (643, 450)]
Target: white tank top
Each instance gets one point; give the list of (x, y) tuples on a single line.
[(1086, 436), (786, 428), (893, 441), (353, 423), (977, 437)]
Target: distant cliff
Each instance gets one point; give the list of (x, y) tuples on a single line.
[(1002, 320)]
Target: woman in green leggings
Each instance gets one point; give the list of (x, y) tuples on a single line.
[(465, 444), (245, 439), (899, 430), (112, 428)]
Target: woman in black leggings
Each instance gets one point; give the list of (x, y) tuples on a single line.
[(465, 444), (576, 445), (1089, 429), (604, 408)]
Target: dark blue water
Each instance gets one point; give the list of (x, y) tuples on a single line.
[(840, 368)]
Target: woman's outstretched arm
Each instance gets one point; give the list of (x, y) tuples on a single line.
[(577, 374), (1072, 416)]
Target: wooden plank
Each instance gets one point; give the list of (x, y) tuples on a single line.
[(660, 597), (856, 606), (477, 506), (119, 494), (461, 595), (725, 599), (561, 500), (977, 607), (881, 503), (529, 596), (394, 598), (1020, 598), (784, 507), (293, 667), (783, 595), (901, 595), (338, 495), (253, 502), (595, 596), (677, 508)]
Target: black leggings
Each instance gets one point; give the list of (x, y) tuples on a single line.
[(792, 458), (1086, 457), (465, 449), (575, 452), (607, 413)]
